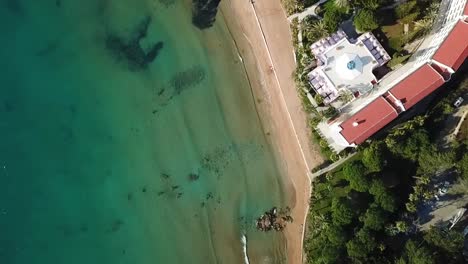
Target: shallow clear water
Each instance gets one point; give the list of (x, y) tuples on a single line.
[(96, 156)]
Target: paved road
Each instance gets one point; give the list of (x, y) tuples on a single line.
[(452, 126)]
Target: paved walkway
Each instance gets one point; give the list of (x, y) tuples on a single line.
[(331, 166), (444, 211), (452, 126), (310, 11)]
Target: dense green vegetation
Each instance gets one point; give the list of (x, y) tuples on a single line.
[(365, 20), (365, 210), (370, 15), (334, 15)]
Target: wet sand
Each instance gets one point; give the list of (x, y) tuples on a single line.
[(263, 37)]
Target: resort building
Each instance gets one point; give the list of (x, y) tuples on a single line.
[(344, 66), (440, 55)]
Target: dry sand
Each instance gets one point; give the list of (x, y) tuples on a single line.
[(263, 37)]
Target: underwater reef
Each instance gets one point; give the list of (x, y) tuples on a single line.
[(130, 52)]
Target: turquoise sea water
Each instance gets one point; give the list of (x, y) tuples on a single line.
[(104, 162)]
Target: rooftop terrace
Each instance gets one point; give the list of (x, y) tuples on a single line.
[(346, 64)]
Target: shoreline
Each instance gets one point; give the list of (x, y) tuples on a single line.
[(253, 28)]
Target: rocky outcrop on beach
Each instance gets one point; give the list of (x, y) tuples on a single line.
[(274, 219), (204, 13)]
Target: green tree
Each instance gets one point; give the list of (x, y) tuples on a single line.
[(416, 253), (342, 3), (381, 196), (411, 206), (293, 6), (401, 226), (431, 161), (320, 250), (366, 236), (365, 20), (374, 218), (330, 112), (354, 172), (336, 235), (462, 165), (356, 249), (342, 213), (373, 156), (318, 99), (332, 19), (406, 9), (408, 146), (317, 30), (449, 242), (345, 96), (361, 245), (327, 253), (432, 11), (369, 4), (387, 202), (423, 26), (377, 187)]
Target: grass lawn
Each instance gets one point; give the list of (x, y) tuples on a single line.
[(390, 34), (393, 31)]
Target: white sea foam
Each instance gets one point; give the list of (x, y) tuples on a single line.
[(244, 248)]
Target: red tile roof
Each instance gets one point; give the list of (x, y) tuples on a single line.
[(466, 9), (370, 120), (444, 71), (454, 49), (417, 85)]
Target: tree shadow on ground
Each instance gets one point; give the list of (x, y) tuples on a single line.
[(384, 41)]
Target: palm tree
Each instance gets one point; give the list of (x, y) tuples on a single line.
[(317, 31), (342, 3), (423, 25), (432, 11)]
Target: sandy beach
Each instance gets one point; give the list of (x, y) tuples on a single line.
[(263, 37)]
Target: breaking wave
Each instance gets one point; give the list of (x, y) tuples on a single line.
[(244, 249)]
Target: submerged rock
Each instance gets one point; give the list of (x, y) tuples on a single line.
[(130, 51), (187, 78), (193, 177), (180, 81)]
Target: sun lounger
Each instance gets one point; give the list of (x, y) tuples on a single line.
[(336, 37), (368, 45)]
